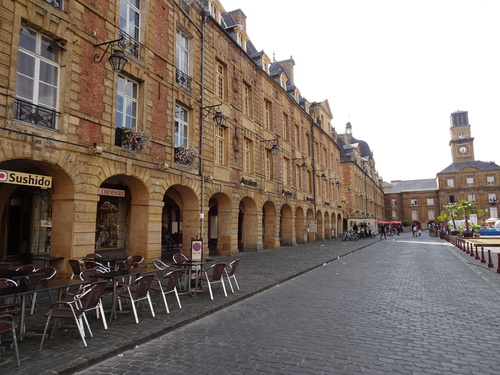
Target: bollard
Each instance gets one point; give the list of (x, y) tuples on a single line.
[(490, 261), (471, 249), (483, 260), (498, 269), (477, 252)]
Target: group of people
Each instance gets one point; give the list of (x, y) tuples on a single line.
[(393, 229), (416, 230), (364, 230)]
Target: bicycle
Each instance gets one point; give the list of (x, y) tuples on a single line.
[(350, 235)]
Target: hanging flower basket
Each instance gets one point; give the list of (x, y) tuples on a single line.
[(185, 155), (134, 139)]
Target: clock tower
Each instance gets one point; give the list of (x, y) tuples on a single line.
[(461, 143)]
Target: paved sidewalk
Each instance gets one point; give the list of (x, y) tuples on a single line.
[(65, 354)]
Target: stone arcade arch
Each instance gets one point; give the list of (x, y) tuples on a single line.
[(339, 225), (311, 226), (320, 234), (270, 237), (122, 216), (36, 220), (248, 226), (327, 230), (300, 226), (220, 225), (182, 213), (287, 237)]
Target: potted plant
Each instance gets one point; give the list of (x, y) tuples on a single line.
[(185, 155), (134, 139)]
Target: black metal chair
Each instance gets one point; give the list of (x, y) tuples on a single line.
[(213, 275), (7, 325), (136, 292), (166, 285), (72, 310)]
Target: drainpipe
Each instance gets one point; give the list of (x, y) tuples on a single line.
[(314, 174), (202, 121)]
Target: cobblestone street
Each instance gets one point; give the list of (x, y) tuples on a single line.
[(399, 306)]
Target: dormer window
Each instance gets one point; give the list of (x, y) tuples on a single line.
[(266, 62), (214, 10), (283, 81)]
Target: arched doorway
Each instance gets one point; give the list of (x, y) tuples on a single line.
[(220, 227), (36, 207), (286, 226), (248, 226), (122, 204), (300, 226), (181, 217), (269, 231)]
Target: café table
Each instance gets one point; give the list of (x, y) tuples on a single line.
[(22, 291), (46, 259), (113, 262), (18, 275), (116, 276), (189, 266)]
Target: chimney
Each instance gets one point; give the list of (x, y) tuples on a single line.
[(239, 18), (288, 65)]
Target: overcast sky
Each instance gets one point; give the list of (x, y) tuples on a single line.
[(396, 69)]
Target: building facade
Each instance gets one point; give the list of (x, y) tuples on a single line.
[(198, 135), (467, 179), (361, 186)]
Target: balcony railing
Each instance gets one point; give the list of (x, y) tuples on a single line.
[(183, 79), (56, 3), (35, 114), (130, 45)]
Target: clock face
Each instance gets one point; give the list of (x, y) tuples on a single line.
[(462, 149)]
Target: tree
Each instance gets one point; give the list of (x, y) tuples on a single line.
[(452, 211), (466, 208)]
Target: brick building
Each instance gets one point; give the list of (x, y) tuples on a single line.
[(422, 201), (199, 134)]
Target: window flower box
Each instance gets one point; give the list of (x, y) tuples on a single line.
[(185, 155), (131, 139)]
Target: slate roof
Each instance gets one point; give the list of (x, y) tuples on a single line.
[(481, 165), (413, 185)]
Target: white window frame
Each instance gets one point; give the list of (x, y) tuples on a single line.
[(268, 117), (430, 201), (490, 180), (181, 126), (38, 62), (431, 214), (471, 197), (127, 24), (450, 182), (269, 165), (414, 214), (248, 156), (286, 127), (286, 172), (182, 59), (394, 213), (493, 211), (220, 145), (127, 108), (393, 202), (247, 99), (470, 181), (414, 202), (220, 72)]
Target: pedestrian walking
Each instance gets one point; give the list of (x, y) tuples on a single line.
[(383, 232)]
